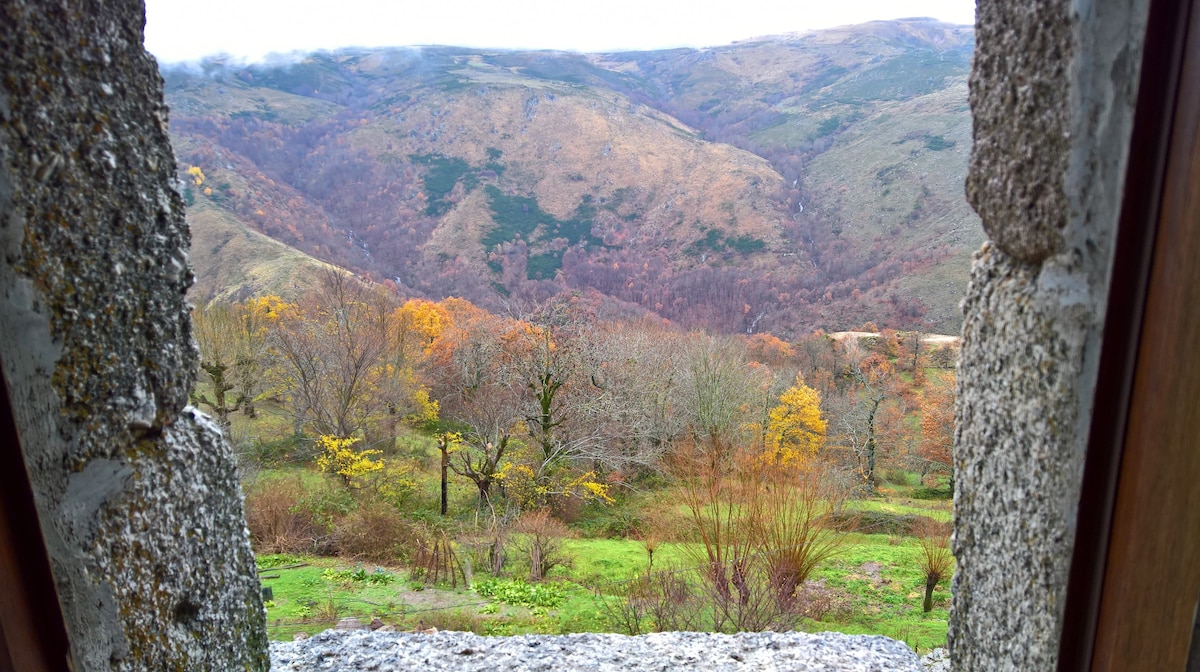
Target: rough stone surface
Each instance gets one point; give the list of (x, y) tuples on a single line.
[(344, 651), (1048, 192), (1021, 123), (1016, 466), (937, 660), (138, 496)]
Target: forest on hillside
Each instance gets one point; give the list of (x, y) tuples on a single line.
[(777, 186)]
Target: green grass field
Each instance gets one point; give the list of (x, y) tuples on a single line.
[(873, 584)]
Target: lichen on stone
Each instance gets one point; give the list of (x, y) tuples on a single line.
[(139, 499)]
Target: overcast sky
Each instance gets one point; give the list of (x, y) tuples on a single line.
[(181, 31)]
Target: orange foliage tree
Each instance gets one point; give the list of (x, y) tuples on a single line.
[(868, 421), (937, 428)]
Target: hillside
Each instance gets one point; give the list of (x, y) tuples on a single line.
[(780, 184)]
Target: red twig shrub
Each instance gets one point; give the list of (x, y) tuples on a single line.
[(762, 526), (540, 536), (934, 557), (378, 533), (277, 521)]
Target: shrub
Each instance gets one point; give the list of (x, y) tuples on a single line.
[(277, 521), (925, 492), (376, 532), (824, 603), (608, 522), (487, 551), (540, 536), (654, 601), (272, 453), (339, 457), (394, 484), (325, 505), (763, 527), (877, 522), (944, 357), (934, 558), (899, 477)]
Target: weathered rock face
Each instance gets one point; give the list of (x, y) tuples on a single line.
[(1052, 94), (1020, 124), (138, 495)]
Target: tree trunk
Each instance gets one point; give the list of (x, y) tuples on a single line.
[(445, 447), (535, 561), (929, 586), (870, 475), (497, 555)]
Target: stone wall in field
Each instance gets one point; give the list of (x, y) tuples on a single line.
[(1053, 88), (138, 495)]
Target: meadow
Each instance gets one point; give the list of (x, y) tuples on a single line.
[(873, 584)]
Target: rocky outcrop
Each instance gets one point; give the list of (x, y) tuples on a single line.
[(138, 495), (1052, 95)]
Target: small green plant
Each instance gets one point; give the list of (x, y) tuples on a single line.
[(269, 604), (497, 629), (328, 610), (379, 577), (277, 560), (519, 593), (490, 608)]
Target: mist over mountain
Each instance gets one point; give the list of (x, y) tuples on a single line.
[(779, 184)]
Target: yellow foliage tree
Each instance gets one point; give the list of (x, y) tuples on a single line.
[(523, 486), (795, 429), (339, 457), (417, 324), (197, 175)]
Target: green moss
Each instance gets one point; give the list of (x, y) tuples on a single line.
[(937, 143), (441, 175), (522, 217), (543, 266)]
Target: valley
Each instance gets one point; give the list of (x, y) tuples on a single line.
[(469, 318), (781, 185)]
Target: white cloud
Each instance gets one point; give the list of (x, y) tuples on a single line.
[(179, 31)]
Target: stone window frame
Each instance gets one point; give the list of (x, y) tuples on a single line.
[(1134, 572)]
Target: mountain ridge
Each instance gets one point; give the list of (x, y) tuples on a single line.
[(821, 192)]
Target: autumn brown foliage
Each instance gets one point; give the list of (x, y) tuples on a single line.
[(762, 531), (378, 533), (276, 520)]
